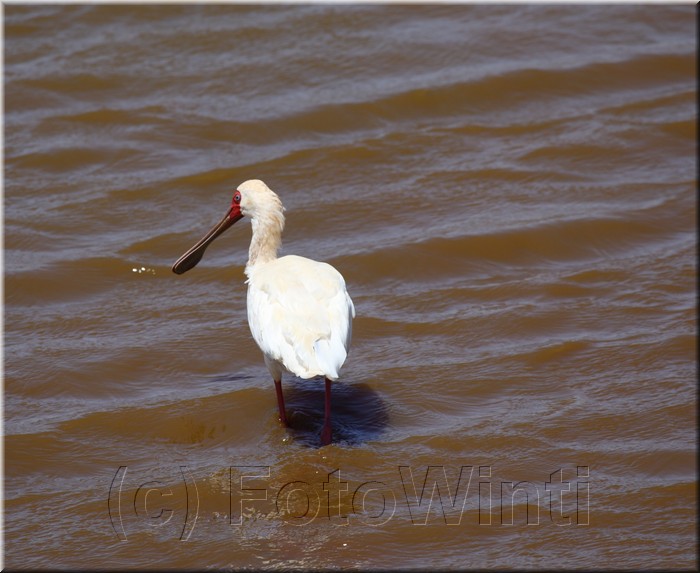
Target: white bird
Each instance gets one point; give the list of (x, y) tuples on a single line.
[(299, 311)]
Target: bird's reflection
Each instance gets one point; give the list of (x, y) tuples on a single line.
[(360, 414)]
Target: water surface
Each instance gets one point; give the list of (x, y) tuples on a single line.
[(510, 193)]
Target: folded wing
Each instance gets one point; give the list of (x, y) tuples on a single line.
[(300, 315)]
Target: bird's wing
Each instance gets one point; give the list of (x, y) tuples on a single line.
[(300, 314)]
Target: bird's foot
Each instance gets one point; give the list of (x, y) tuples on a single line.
[(280, 403), (326, 435)]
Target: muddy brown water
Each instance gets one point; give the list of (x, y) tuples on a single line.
[(510, 193)]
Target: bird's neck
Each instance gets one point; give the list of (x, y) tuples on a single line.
[(267, 238)]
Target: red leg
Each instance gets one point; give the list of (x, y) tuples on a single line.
[(280, 402), (326, 433)]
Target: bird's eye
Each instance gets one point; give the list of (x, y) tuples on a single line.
[(237, 197)]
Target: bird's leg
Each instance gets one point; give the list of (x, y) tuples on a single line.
[(326, 433), (280, 402)]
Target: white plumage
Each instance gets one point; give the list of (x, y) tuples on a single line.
[(299, 311), (300, 316)]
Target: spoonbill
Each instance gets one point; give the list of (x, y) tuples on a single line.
[(299, 311)]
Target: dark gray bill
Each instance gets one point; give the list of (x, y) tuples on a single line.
[(194, 255)]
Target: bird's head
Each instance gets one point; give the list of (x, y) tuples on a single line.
[(251, 199), (256, 200)]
